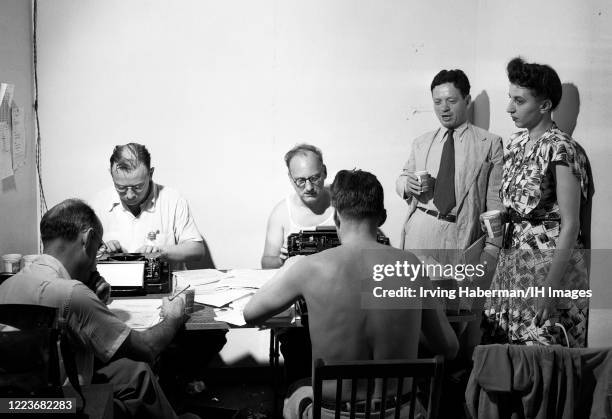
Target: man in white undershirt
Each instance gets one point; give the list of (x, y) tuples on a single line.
[(307, 208)]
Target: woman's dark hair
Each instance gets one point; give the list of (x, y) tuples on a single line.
[(541, 79)]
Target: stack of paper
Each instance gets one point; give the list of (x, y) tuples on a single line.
[(198, 277), (138, 313), (249, 278)]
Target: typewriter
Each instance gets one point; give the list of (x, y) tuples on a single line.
[(308, 242), (135, 273)]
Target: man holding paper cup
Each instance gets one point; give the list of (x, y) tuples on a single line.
[(452, 176)]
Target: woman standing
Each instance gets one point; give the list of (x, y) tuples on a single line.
[(544, 183)]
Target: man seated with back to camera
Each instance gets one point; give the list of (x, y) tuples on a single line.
[(331, 283), (64, 277), (305, 209)]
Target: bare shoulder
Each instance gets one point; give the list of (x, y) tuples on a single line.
[(279, 213)]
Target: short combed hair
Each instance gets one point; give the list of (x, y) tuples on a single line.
[(303, 149), (456, 77), (67, 219), (541, 79), (357, 194), (129, 156)]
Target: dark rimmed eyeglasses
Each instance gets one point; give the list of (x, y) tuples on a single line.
[(300, 182)]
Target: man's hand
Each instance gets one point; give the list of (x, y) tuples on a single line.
[(416, 187), (113, 246), (99, 286), (146, 249), (174, 309)]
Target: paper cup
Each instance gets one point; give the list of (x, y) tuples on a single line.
[(11, 263), (421, 174), (492, 221), (188, 296)]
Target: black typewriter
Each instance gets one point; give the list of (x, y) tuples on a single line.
[(308, 242), (156, 274)]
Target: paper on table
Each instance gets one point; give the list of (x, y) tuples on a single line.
[(231, 316), (251, 278), (221, 297), (198, 277), (138, 313)]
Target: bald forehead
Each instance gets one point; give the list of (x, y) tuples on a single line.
[(305, 159)]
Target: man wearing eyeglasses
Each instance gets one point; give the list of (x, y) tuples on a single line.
[(307, 208), (142, 216)]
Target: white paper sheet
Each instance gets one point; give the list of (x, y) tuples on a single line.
[(138, 313), (252, 278), (223, 297), (197, 277), (19, 146)]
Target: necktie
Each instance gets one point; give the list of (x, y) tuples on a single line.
[(444, 192)]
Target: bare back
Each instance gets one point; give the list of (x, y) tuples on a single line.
[(340, 329)]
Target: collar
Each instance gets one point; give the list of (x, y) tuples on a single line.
[(459, 131), (52, 263), (147, 205)]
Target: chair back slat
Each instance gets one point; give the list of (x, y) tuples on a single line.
[(383, 395), (427, 370), (354, 382), (398, 394), (338, 397), (368, 404)]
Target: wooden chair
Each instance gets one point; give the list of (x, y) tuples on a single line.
[(379, 373), (29, 360)]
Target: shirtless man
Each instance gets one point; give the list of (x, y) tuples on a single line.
[(341, 329), (308, 208)]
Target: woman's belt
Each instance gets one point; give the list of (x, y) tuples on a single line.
[(516, 217)]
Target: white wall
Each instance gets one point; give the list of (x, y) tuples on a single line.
[(220, 90), (18, 209)]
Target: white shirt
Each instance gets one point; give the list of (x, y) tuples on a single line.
[(165, 212)]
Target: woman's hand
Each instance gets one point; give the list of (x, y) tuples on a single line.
[(545, 308)]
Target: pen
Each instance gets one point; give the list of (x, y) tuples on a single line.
[(176, 295)]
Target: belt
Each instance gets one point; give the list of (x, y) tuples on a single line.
[(449, 217), (360, 406), (517, 218)]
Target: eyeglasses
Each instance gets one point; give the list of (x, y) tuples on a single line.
[(135, 188), (300, 182)]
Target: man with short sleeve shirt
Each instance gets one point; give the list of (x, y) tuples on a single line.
[(142, 216), (65, 277)]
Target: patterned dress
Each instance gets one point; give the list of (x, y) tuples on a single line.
[(528, 188)]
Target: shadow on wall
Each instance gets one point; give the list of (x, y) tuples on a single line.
[(479, 111), (566, 113)]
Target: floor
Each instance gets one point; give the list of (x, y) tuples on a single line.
[(236, 392)]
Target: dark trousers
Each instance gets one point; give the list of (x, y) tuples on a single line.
[(297, 353), (136, 392)]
